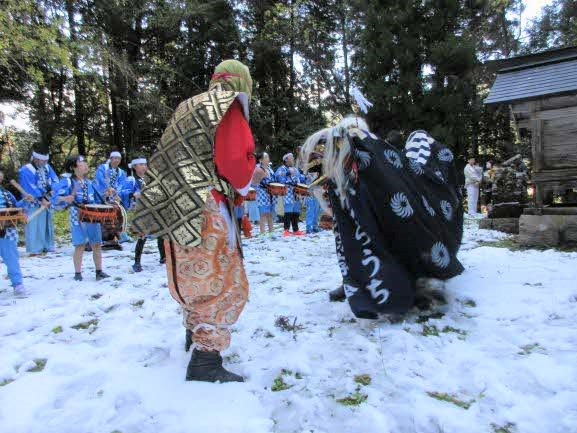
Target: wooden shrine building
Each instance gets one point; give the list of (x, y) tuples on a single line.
[(541, 91)]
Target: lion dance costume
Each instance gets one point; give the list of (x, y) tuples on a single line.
[(398, 215)]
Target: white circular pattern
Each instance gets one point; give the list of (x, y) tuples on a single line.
[(416, 167), (445, 155), (439, 175), (363, 159), (440, 255), (447, 210), (401, 206), (428, 207), (393, 158)]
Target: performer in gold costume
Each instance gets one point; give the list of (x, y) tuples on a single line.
[(205, 154)]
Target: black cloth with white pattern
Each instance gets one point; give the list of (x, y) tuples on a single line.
[(402, 220)]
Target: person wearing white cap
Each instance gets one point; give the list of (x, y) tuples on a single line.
[(75, 190), (110, 177), (129, 194), (290, 176), (37, 178), (109, 180)]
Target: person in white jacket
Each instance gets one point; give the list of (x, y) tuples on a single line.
[(473, 176)]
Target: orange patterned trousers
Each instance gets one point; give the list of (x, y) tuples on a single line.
[(208, 281)]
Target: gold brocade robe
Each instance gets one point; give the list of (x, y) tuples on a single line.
[(181, 171)]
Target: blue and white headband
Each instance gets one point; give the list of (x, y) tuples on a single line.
[(115, 154), (40, 156), (137, 161)]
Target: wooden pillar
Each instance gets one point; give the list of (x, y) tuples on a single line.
[(538, 194), (537, 150), (537, 143)]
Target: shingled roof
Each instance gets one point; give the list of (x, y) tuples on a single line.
[(528, 77)]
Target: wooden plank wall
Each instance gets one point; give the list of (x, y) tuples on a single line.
[(553, 125), (559, 143)]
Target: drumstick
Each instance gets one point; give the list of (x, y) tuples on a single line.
[(318, 181), (19, 188), (35, 214), (24, 193)]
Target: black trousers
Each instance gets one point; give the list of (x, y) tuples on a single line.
[(291, 218), (140, 247)]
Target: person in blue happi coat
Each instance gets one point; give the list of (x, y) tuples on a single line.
[(38, 178), (274, 201), (109, 181), (290, 175), (252, 209), (74, 189), (9, 240), (130, 193), (110, 178), (313, 208), (265, 201)]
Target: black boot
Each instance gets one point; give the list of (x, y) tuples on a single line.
[(100, 275), (116, 246), (187, 340), (138, 254), (338, 295), (207, 367), (161, 251)]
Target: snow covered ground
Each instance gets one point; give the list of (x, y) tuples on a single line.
[(108, 356)]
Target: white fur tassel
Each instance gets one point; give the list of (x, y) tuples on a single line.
[(363, 103)]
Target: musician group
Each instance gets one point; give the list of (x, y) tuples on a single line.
[(287, 186), (98, 208), (397, 215), (97, 211)]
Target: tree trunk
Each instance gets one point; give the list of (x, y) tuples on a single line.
[(345, 45), (42, 115), (115, 106), (506, 35), (78, 97), (106, 85), (292, 53), (133, 53)]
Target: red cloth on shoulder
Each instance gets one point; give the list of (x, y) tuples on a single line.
[(234, 148), (218, 196)]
